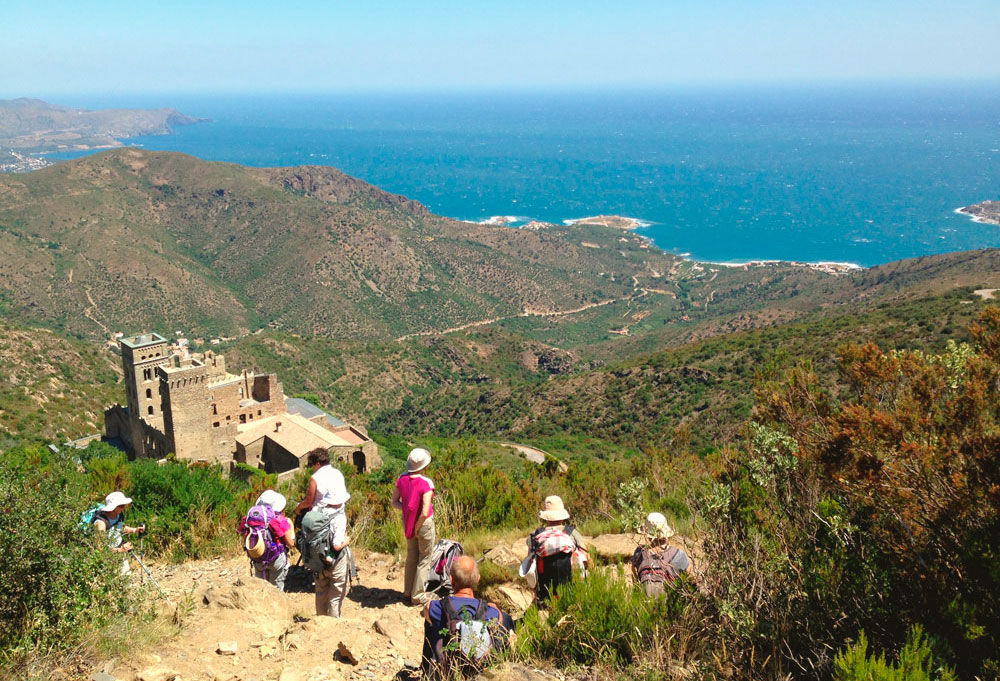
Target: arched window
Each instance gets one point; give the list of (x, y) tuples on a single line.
[(149, 410), (149, 393)]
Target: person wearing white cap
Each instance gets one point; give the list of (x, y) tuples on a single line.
[(555, 550), (268, 537), (414, 495), (110, 518), (655, 564)]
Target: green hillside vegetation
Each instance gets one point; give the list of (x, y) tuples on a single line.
[(53, 388), (844, 533), (130, 239), (704, 387)]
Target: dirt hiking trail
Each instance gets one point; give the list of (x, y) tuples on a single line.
[(238, 628), (234, 627)]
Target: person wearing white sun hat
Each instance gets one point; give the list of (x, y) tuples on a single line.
[(414, 495), (555, 551), (271, 535), (656, 564), (110, 518)]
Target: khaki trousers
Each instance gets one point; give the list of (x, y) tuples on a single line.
[(418, 562), (331, 587)]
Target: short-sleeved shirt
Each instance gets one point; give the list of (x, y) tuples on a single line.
[(338, 528), (279, 527), (435, 611), (113, 527), (412, 487), (680, 561)]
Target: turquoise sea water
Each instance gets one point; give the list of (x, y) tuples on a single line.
[(863, 175)]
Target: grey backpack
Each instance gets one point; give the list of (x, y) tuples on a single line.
[(314, 541)]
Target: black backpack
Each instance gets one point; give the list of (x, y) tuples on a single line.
[(466, 642), (554, 569)]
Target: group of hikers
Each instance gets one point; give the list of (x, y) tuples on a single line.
[(460, 629)]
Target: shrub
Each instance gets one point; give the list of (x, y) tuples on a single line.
[(57, 584), (191, 511), (916, 662), (603, 619)]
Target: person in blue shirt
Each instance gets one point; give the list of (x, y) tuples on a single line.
[(463, 604)]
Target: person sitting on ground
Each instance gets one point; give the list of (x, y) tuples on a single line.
[(413, 495), (453, 641), (266, 522), (327, 522), (110, 518), (655, 564), (555, 549)]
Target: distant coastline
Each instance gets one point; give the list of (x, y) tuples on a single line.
[(632, 224), (30, 128)]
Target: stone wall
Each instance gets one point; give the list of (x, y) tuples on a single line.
[(186, 412), (363, 457)]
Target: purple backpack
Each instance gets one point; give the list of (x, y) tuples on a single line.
[(259, 543)]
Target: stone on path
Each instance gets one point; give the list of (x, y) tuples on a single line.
[(227, 648), (508, 555), (511, 671), (392, 629), (157, 674), (616, 545), (102, 676), (354, 651), (520, 598), (225, 597)]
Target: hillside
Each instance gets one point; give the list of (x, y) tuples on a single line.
[(704, 386), (130, 239), (51, 387)]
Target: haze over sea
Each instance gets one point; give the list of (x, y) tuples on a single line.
[(851, 174)]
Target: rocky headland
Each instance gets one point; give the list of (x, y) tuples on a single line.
[(29, 127), (987, 211)]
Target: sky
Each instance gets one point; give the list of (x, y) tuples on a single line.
[(107, 47)]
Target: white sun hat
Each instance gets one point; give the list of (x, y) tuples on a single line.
[(418, 460), (275, 500), (114, 500), (656, 527), (554, 509)]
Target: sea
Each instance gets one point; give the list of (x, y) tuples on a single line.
[(861, 174)]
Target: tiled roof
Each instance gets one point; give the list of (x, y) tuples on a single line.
[(297, 435)]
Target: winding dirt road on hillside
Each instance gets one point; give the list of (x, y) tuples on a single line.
[(527, 313)]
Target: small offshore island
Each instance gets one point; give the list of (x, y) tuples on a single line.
[(986, 212), (31, 127)]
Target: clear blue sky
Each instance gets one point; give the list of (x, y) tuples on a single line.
[(83, 46)]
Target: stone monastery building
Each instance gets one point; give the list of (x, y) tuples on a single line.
[(194, 408)]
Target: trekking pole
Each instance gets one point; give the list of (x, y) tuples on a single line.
[(142, 541), (153, 579)]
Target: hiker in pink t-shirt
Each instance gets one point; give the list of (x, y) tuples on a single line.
[(413, 495)]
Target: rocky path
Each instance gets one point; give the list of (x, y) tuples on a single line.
[(233, 627), (237, 628)]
